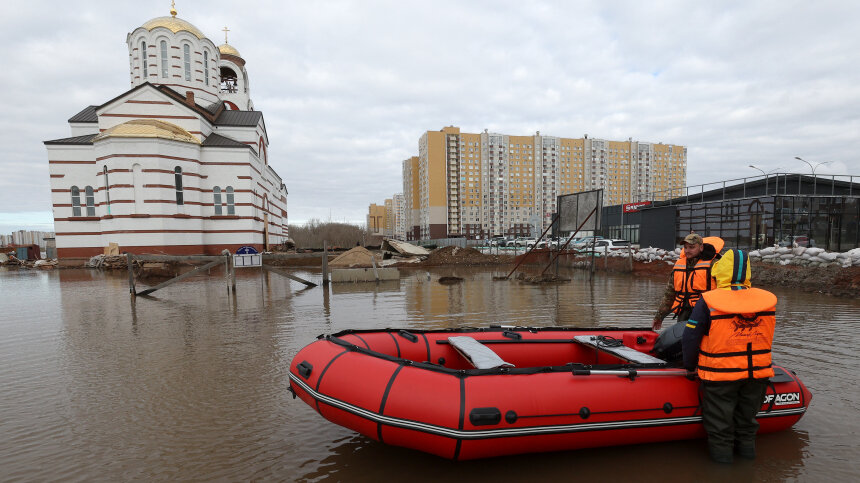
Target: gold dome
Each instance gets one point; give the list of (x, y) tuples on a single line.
[(174, 24), (229, 50), (148, 128)]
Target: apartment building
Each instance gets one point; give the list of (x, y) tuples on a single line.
[(487, 184), (377, 220), (397, 217)]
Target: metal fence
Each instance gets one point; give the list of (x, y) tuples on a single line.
[(774, 184)]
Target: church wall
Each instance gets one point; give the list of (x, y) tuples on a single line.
[(151, 104), (83, 128)]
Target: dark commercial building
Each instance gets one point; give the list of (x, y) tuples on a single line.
[(784, 209)]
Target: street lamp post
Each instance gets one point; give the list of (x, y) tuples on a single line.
[(765, 176), (813, 168)]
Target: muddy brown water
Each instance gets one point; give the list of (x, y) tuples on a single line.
[(191, 384)]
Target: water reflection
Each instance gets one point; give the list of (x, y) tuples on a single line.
[(191, 383)]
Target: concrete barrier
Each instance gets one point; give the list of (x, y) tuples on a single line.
[(363, 274)]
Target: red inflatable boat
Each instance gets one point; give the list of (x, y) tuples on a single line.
[(481, 392)]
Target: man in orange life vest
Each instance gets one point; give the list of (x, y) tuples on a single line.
[(691, 276), (728, 340)]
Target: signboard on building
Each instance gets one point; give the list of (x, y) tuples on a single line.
[(247, 256), (634, 207)]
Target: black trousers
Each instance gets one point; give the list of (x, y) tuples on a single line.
[(728, 412)]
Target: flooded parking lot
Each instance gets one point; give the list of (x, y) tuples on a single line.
[(192, 384)]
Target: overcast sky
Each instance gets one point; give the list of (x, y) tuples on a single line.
[(347, 88)]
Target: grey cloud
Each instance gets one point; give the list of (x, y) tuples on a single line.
[(347, 88)]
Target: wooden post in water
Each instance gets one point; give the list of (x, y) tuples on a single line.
[(375, 271), (130, 258), (227, 269), (232, 268), (629, 257), (325, 264)]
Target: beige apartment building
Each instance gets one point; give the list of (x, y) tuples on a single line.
[(488, 184), (377, 220)]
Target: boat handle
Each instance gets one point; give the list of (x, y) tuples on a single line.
[(485, 416), (305, 369), (408, 336), (512, 335)]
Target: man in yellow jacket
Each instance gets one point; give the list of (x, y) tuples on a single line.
[(727, 341)]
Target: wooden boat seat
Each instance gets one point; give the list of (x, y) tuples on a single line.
[(479, 355), (620, 351)]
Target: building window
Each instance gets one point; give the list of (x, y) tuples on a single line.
[(206, 66), (186, 52), (231, 208), (107, 188), (164, 58), (178, 180), (91, 201), (216, 195), (143, 59), (76, 201)]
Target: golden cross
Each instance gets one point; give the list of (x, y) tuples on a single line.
[(173, 7), (225, 29)]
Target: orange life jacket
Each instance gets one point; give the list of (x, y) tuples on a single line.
[(738, 343), (690, 282)]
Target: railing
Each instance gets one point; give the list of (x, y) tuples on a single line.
[(781, 185)]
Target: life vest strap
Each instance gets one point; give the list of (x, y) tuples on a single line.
[(735, 354), (730, 316), (734, 369)]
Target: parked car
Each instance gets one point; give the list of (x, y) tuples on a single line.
[(524, 242), (603, 246), (583, 242), (796, 241)]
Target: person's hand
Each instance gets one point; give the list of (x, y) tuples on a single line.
[(658, 322)]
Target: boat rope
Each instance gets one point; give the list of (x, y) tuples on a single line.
[(608, 341)]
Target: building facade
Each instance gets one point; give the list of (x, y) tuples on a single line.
[(787, 209), (489, 184), (377, 219), (178, 164), (398, 216)]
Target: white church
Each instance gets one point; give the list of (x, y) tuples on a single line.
[(176, 165)]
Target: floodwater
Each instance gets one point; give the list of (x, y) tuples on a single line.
[(191, 384)]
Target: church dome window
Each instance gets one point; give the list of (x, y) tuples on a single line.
[(206, 66), (143, 59), (164, 64), (186, 55), (229, 81)]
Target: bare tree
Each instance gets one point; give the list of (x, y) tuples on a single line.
[(313, 233)]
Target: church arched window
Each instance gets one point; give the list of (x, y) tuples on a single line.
[(206, 66), (177, 174), (164, 64), (76, 201), (262, 150), (216, 199), (186, 52), (143, 59), (91, 201), (231, 207)]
